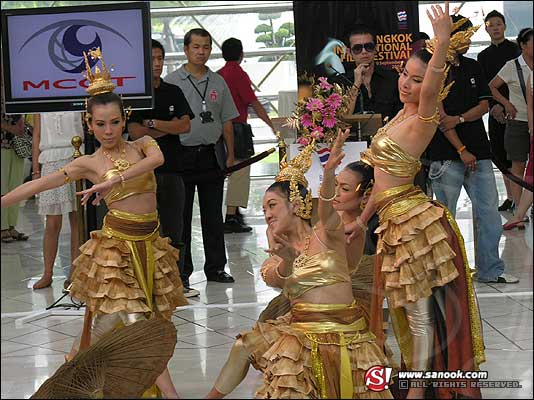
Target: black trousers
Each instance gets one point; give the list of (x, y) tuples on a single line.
[(496, 136), (171, 197), (202, 160)]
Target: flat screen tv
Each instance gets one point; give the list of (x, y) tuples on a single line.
[(42, 55)]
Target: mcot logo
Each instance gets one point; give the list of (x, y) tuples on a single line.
[(377, 378)]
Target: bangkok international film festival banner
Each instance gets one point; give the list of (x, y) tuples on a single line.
[(316, 22)]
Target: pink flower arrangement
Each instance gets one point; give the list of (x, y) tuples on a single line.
[(323, 83), (319, 116)]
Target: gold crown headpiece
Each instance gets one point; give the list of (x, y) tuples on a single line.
[(460, 40), (99, 80), (293, 172)]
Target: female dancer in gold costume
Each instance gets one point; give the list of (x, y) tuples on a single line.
[(353, 187), (421, 263), (126, 272), (322, 347)]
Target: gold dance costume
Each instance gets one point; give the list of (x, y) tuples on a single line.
[(126, 266), (420, 251), (315, 350)]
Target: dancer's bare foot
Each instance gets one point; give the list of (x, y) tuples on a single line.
[(42, 283)]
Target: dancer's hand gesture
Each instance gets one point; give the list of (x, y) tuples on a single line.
[(336, 153), (441, 21), (283, 248)]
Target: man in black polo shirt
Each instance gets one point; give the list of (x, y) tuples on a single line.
[(492, 59), (170, 117), (461, 156)]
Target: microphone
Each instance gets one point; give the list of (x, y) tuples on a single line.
[(347, 80)]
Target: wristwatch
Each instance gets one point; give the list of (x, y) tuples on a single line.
[(461, 119), (151, 123)]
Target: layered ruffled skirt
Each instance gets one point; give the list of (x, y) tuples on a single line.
[(128, 267), (412, 246), (421, 253), (315, 351)]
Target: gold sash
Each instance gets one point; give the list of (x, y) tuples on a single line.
[(137, 231), (348, 334)]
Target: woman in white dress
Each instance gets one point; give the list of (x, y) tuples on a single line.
[(52, 150)]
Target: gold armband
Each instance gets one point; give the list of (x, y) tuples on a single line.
[(67, 177), (327, 199), (150, 143), (433, 119)]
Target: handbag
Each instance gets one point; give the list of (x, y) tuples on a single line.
[(243, 142), (22, 144)]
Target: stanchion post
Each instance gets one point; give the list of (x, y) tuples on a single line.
[(282, 148), (77, 143)]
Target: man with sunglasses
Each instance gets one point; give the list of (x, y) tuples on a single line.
[(378, 86)]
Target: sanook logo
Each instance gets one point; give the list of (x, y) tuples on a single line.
[(64, 48), (67, 84), (377, 378)]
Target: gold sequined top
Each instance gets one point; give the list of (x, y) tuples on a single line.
[(388, 156), (144, 183), (321, 269)]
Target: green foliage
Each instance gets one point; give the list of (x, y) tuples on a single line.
[(284, 36), (263, 28)]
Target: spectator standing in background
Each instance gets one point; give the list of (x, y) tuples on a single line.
[(239, 83), (203, 158), (52, 150), (492, 59)]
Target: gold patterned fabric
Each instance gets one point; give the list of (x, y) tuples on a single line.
[(144, 183), (388, 156), (315, 351), (128, 267), (413, 245), (321, 269)]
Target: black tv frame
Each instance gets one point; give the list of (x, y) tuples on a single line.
[(29, 105)]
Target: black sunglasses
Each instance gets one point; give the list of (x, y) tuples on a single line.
[(369, 47)]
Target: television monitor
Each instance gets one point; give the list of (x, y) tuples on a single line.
[(43, 62)]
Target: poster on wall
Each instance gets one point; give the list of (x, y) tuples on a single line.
[(396, 24)]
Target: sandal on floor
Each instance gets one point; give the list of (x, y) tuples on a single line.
[(18, 235), (6, 237)]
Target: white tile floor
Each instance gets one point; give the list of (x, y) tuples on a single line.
[(31, 353)]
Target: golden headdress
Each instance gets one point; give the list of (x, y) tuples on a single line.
[(99, 80), (459, 40), (293, 172)]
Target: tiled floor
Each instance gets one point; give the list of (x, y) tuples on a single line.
[(31, 353)]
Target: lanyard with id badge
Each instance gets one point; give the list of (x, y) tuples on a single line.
[(205, 115)]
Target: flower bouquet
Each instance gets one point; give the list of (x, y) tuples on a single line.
[(319, 116)]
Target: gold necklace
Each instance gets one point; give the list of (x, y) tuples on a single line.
[(122, 163), (301, 259), (395, 121)]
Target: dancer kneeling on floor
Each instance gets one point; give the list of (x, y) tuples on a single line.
[(322, 347)]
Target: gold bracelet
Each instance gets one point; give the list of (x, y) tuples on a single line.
[(433, 119), (461, 150), (360, 223), (279, 275), (325, 199), (67, 177), (122, 178), (435, 69)]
